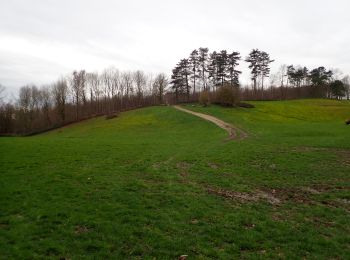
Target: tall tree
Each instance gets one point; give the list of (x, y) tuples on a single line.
[(177, 82), (264, 67), (194, 63), (222, 65), (140, 82), (233, 59), (159, 85), (45, 103), (186, 72), (320, 76), (254, 65), (213, 68), (93, 82), (78, 87), (338, 89), (203, 65), (60, 93)]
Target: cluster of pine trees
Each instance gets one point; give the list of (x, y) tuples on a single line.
[(208, 71), (301, 76), (205, 71)]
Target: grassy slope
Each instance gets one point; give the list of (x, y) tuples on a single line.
[(136, 186)]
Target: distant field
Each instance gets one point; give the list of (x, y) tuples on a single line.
[(160, 183)]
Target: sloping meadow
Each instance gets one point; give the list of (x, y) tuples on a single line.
[(158, 182)]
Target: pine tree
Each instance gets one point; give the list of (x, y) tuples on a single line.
[(254, 66), (203, 65), (194, 63), (264, 67), (260, 66), (222, 63), (290, 74), (213, 68), (233, 59), (186, 72), (177, 82)]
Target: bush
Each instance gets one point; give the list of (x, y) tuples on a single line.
[(245, 105), (227, 95), (204, 98), (111, 116)]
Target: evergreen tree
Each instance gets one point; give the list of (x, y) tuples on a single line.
[(194, 63), (320, 76), (259, 65), (222, 64), (177, 82), (254, 66), (290, 74), (186, 72), (264, 66), (203, 66), (233, 59), (213, 68), (338, 89), (305, 76)]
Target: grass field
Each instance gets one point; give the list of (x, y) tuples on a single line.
[(160, 183)]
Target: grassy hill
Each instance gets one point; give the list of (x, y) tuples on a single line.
[(157, 182)]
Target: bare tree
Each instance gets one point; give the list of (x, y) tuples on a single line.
[(45, 103), (24, 111), (78, 88), (92, 83), (60, 93), (159, 85), (115, 86), (140, 83)]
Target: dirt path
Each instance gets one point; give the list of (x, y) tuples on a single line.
[(234, 132)]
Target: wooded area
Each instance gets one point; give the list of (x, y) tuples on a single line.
[(205, 71), (79, 96)]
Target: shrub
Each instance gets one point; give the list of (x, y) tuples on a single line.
[(111, 116), (227, 95), (204, 98), (245, 105)]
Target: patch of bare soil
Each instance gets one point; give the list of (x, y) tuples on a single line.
[(158, 165), (279, 196), (234, 132), (213, 165), (344, 157), (245, 196), (81, 230), (183, 167)]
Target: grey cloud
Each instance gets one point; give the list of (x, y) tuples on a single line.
[(153, 35)]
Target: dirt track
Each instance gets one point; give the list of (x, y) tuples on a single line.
[(234, 132)]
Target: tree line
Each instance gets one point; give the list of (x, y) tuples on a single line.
[(203, 71), (79, 96), (204, 76)]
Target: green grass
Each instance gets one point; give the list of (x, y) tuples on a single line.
[(138, 186)]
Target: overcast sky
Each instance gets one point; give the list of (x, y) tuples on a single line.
[(40, 40)]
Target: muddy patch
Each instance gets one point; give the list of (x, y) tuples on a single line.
[(243, 197), (303, 195), (159, 165), (183, 168), (344, 157), (81, 229), (213, 165)]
